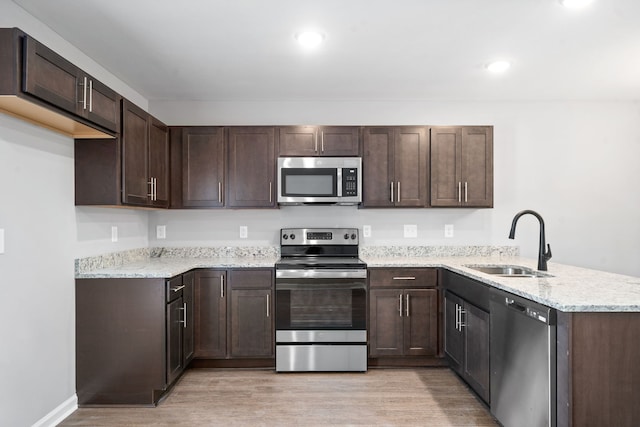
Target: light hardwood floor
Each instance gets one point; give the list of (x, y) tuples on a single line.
[(380, 397)]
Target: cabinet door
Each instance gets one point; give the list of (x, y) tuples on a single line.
[(339, 141), (135, 167), (250, 323), (446, 176), (420, 322), (453, 336), (210, 314), (103, 105), (50, 77), (203, 157), (377, 167), (188, 280), (476, 360), (159, 162), (411, 157), (385, 322), (174, 339), (298, 141), (477, 166), (252, 167)]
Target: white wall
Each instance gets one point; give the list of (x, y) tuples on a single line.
[(573, 162), (44, 233)]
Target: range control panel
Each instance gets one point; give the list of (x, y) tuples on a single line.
[(319, 236)]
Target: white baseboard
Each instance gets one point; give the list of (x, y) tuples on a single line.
[(56, 416)]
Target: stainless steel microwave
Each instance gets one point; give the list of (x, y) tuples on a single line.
[(319, 180)]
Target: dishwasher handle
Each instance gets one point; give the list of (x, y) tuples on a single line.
[(512, 304)]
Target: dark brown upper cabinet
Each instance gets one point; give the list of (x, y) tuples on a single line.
[(251, 172), (310, 141), (394, 165), (462, 166), (198, 167), (145, 158), (41, 86)]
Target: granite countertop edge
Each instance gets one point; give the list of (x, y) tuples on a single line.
[(570, 289)]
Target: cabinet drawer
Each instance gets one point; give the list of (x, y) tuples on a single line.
[(258, 278), (174, 288), (403, 277)]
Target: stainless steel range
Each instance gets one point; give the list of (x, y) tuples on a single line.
[(321, 301)]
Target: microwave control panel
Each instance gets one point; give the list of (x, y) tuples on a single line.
[(349, 181)]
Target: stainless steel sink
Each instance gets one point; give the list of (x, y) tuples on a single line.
[(508, 271)]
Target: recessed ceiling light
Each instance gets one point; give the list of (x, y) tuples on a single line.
[(575, 4), (309, 38), (498, 66)]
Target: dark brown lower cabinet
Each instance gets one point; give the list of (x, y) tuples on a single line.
[(130, 339), (234, 314), (466, 342), (403, 312)]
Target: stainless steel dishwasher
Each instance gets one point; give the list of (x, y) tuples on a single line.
[(523, 361)]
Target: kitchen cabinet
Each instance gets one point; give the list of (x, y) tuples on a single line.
[(145, 158), (466, 331), (198, 167), (310, 141), (251, 176), (394, 163), (462, 166), (41, 86), (234, 314), (132, 338), (403, 312)]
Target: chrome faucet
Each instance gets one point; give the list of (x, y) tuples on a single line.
[(543, 256)]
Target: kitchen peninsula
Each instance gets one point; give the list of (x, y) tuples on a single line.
[(598, 312)]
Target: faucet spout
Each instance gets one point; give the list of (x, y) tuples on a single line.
[(544, 250)]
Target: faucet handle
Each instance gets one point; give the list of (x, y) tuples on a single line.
[(547, 254)]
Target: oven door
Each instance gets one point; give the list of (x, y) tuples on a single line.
[(310, 300)]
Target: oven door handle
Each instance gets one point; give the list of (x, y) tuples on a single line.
[(321, 274), (296, 286)]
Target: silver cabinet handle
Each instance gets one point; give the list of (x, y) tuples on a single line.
[(155, 188), (407, 305), (268, 307), (219, 192), (458, 318), (462, 323), (84, 93), (178, 288), (150, 184), (270, 191), (404, 278), (90, 96), (459, 192), (322, 140), (221, 286), (400, 302), (184, 313), (391, 185), (466, 199), (316, 142), (398, 196)]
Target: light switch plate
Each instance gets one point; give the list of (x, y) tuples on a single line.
[(244, 231), (410, 231), (1, 240), (161, 231), (114, 233), (366, 231)]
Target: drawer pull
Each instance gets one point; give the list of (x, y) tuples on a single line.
[(404, 278), (178, 288)]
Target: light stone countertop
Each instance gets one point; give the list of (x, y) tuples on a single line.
[(570, 289)]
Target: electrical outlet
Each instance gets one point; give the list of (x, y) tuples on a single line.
[(410, 231), (244, 231), (161, 231), (1, 240), (448, 231), (114, 233), (366, 231)]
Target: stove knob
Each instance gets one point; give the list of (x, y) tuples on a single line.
[(285, 237), (353, 236), (292, 236), (346, 237)]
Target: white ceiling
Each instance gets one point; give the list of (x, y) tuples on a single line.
[(374, 49)]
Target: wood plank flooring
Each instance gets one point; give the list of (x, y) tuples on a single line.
[(234, 397)]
